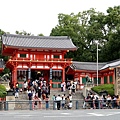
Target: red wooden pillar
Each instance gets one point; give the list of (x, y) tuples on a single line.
[(108, 78), (63, 75), (91, 76), (29, 74), (79, 77), (14, 76), (102, 79)]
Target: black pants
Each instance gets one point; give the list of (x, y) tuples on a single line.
[(58, 105), (61, 89)]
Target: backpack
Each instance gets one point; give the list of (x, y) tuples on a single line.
[(30, 94)]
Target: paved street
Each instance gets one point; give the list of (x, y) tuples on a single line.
[(103, 114)]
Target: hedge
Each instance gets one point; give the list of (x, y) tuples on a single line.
[(3, 92), (109, 88)]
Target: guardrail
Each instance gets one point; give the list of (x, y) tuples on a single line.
[(38, 105), (52, 105)]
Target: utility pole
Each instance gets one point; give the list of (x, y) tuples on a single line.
[(97, 63)]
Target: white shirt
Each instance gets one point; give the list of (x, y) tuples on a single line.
[(70, 97), (58, 98), (70, 104), (25, 85)]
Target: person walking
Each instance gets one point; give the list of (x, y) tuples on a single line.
[(61, 86), (73, 88), (16, 92)]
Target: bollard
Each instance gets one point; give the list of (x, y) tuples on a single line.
[(6, 105), (30, 102), (47, 105), (53, 105), (77, 106), (99, 104)]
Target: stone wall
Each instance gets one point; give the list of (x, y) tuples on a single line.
[(86, 89), (11, 102), (117, 81)]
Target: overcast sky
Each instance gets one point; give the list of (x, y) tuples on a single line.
[(40, 16)]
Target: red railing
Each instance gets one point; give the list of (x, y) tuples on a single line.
[(41, 60)]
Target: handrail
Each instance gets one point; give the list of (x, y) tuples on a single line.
[(40, 60)]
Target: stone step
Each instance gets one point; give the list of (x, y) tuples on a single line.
[(25, 105), (77, 95)]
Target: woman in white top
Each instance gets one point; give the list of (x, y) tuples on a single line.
[(70, 105), (25, 85)]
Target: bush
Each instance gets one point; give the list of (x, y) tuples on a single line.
[(3, 92), (109, 88)]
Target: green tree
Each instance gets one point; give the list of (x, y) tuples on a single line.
[(88, 27), (5, 58), (40, 34), (22, 33), (84, 29), (111, 49)]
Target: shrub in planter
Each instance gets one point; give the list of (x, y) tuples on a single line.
[(109, 88), (3, 92)]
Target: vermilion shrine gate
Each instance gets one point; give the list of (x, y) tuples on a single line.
[(37, 56), (40, 56)]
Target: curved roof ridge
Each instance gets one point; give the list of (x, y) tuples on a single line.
[(113, 61), (38, 42), (32, 36), (87, 65), (89, 62), (111, 64)]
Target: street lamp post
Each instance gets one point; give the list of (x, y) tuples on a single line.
[(97, 63)]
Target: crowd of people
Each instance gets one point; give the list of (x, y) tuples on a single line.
[(94, 101), (65, 101), (71, 86), (38, 91), (62, 101)]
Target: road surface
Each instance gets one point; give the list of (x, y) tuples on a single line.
[(89, 114)]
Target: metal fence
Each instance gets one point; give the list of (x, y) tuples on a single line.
[(38, 105), (52, 105)]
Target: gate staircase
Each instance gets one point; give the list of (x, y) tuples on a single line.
[(22, 102)]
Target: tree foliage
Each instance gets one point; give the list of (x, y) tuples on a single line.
[(88, 27), (22, 33), (40, 34), (85, 29), (5, 58), (111, 49)]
